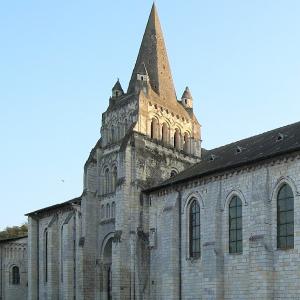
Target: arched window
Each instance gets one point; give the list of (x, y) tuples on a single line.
[(106, 181), (46, 255), (235, 225), (285, 218), (154, 128), (113, 210), (194, 229), (177, 139), (165, 133), (107, 211), (186, 143), (15, 275), (114, 178)]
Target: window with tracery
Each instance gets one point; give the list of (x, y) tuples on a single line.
[(194, 230), (285, 218), (235, 225)]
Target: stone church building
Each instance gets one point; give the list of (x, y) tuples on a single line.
[(159, 217)]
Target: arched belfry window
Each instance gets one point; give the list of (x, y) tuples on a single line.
[(165, 133), (285, 218), (235, 225), (15, 275), (194, 230), (154, 128), (177, 139), (187, 143)]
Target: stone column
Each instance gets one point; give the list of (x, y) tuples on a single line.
[(53, 262), (33, 270)]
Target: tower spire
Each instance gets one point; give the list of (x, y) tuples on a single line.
[(153, 56)]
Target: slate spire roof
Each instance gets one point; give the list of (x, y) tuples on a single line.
[(153, 55), (117, 86), (187, 94)]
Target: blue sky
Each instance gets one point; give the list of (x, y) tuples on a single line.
[(59, 60)]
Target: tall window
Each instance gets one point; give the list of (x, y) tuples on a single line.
[(106, 181), (285, 218), (194, 237), (235, 225), (165, 133), (113, 210), (15, 275), (46, 255), (177, 139), (102, 211), (107, 211), (186, 145), (114, 178), (154, 127)]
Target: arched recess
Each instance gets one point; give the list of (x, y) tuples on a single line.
[(165, 133), (234, 192), (177, 139), (187, 143), (106, 282), (279, 183), (154, 128)]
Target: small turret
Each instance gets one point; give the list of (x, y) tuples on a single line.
[(142, 80), (187, 99), (117, 90)]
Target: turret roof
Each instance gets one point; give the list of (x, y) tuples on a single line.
[(117, 86), (187, 94)]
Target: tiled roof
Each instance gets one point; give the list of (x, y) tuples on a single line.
[(257, 148)]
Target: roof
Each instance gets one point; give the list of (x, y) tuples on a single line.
[(187, 94), (12, 239), (267, 145), (117, 86), (153, 55), (56, 206)]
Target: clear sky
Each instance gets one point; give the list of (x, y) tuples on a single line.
[(60, 59)]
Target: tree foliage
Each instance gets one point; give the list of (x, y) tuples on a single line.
[(15, 231)]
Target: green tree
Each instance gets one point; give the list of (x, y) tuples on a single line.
[(14, 231)]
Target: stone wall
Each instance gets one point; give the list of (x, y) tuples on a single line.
[(261, 271), (13, 253)]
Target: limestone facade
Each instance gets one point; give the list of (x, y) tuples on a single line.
[(154, 220), (13, 270)]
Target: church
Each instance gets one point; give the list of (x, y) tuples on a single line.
[(159, 217)]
